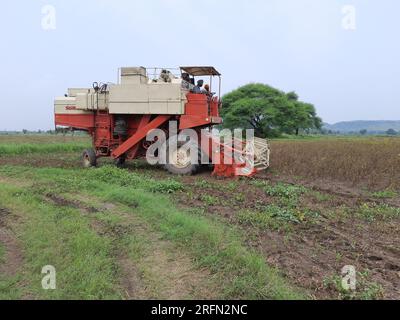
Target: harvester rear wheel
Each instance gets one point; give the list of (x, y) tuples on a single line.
[(89, 158), (179, 160)]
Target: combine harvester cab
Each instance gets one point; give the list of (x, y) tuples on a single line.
[(119, 118)]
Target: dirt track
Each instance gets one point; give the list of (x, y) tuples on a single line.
[(13, 255)]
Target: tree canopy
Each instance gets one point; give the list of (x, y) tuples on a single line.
[(391, 132), (268, 111)]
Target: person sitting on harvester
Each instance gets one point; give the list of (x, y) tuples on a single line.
[(207, 91), (186, 77), (188, 82), (199, 87)]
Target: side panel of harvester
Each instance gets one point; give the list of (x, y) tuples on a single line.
[(140, 105)]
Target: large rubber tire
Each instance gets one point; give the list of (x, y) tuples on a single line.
[(89, 158), (181, 168)]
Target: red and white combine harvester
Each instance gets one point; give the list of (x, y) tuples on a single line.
[(120, 117)]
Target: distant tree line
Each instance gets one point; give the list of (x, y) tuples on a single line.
[(363, 132), (392, 132), (269, 111), (63, 131), (26, 131)]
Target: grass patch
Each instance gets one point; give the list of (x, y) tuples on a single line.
[(44, 148), (214, 246), (9, 289), (275, 217), (372, 212), (124, 178), (209, 200), (282, 190), (385, 194), (285, 190), (284, 213), (243, 273), (63, 238)]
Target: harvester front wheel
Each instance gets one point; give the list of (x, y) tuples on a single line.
[(179, 161), (89, 158)]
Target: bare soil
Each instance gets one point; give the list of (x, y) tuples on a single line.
[(13, 255), (312, 253), (332, 187), (43, 161)]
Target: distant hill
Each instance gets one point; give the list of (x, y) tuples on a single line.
[(371, 126)]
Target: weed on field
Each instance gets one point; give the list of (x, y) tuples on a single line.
[(373, 212), (384, 194), (365, 289)]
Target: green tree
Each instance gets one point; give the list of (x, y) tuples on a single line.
[(391, 132), (268, 111), (304, 117), (363, 132), (253, 106)]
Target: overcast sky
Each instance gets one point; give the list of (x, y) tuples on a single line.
[(348, 68)]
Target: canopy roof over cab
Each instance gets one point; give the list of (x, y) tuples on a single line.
[(201, 71)]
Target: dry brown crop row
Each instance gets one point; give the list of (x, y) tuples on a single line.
[(369, 162)]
